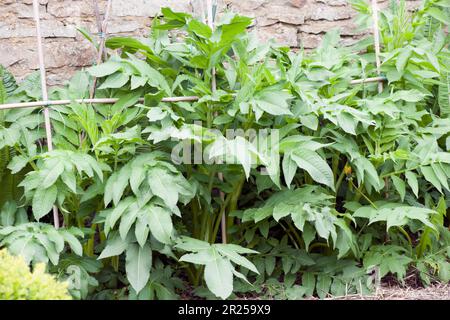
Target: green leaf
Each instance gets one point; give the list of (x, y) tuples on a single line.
[(161, 184), (219, 277), (403, 58), (309, 234), (114, 247), (104, 69), (50, 175), (317, 168), (309, 282), (138, 265), (17, 163), (439, 15), (226, 250), (430, 176), (269, 263), (127, 220), (295, 292), (43, 201), (412, 181), (408, 95), (289, 169), (58, 240), (49, 248), (444, 271), (117, 80), (69, 179), (200, 29), (8, 214), (73, 242), (323, 285), (160, 224), (141, 230), (191, 244), (440, 174), (273, 102), (338, 288), (116, 184), (400, 186), (347, 122)]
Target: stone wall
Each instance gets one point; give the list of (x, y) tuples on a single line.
[(291, 22)]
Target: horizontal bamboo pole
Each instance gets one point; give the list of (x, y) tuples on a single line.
[(96, 101), (374, 79), (114, 100)]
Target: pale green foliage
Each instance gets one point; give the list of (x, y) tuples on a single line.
[(353, 178), (217, 260), (18, 283)]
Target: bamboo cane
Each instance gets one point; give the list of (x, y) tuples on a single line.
[(223, 223), (114, 100), (376, 38), (48, 125), (34, 104), (97, 15), (101, 46), (367, 80)]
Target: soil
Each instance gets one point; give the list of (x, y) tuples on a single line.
[(386, 292)]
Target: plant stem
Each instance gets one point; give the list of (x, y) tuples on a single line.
[(365, 197), (288, 232), (219, 218), (301, 243), (403, 231), (341, 177)]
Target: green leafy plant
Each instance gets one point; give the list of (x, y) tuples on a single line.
[(18, 283), (316, 180)]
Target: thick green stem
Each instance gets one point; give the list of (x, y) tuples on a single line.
[(289, 233), (294, 231), (365, 197), (339, 180), (403, 231)]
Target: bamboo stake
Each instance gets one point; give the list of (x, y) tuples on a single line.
[(223, 222), (97, 15), (48, 125), (101, 46), (376, 38), (367, 80), (114, 100), (89, 101)]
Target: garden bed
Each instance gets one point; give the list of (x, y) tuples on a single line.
[(205, 163)]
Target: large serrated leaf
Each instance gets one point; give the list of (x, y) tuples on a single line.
[(317, 167), (138, 264)]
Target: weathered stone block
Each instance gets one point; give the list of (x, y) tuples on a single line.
[(324, 12), (71, 8), (283, 34), (334, 2), (31, 1), (309, 41), (49, 29), (146, 8), (124, 26), (346, 27)]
